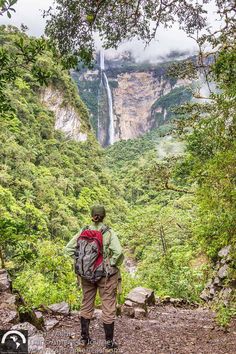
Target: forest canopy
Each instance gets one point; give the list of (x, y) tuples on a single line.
[(48, 182)]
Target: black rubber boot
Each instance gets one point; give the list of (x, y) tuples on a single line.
[(109, 334), (85, 339)]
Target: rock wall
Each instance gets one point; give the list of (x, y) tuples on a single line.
[(135, 93), (221, 288), (133, 99), (8, 308), (67, 118)]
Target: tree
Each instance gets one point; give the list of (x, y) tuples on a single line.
[(72, 24), (6, 7), (25, 54)]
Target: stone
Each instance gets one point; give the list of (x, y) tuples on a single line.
[(128, 311), (223, 261), (224, 252), (204, 295), (38, 314), (75, 313), (37, 344), (139, 313), (129, 303), (8, 309), (60, 309), (7, 300), (216, 281), (212, 291), (50, 323), (142, 296), (225, 293), (5, 281), (209, 327), (208, 284), (8, 317), (27, 327), (97, 313), (36, 340), (223, 271)]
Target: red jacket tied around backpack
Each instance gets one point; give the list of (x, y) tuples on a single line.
[(94, 236)]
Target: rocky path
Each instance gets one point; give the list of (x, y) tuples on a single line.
[(167, 330)]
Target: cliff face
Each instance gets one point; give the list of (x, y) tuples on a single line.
[(142, 96), (133, 100), (67, 118)]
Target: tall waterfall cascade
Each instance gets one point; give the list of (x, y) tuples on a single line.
[(104, 81)]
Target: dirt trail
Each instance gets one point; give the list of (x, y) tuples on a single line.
[(167, 330)]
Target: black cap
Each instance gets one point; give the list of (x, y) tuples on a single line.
[(98, 210)]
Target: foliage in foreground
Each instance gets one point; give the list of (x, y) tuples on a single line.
[(47, 182), (179, 206)]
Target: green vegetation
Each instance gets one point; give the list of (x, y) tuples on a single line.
[(182, 207), (6, 6), (48, 182), (158, 230), (170, 194), (168, 102), (89, 90)]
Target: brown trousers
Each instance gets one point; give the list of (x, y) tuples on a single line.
[(107, 288)]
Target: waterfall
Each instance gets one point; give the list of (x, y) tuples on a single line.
[(109, 97), (99, 94), (165, 114)]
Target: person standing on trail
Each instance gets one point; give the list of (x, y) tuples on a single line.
[(98, 254)]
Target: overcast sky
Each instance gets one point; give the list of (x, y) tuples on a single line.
[(29, 12)]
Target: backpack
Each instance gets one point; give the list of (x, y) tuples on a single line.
[(89, 254)]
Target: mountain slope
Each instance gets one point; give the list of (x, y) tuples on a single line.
[(48, 181)]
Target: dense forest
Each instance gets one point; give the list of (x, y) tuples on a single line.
[(169, 194)]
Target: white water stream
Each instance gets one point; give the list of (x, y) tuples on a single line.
[(110, 102)]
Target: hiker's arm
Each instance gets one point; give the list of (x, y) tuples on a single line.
[(69, 250), (116, 251)]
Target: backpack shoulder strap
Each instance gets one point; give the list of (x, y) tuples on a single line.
[(85, 228), (104, 229)]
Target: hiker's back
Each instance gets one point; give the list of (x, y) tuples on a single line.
[(89, 253)]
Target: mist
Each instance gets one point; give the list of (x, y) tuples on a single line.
[(167, 41)]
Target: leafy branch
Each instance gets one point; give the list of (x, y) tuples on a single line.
[(6, 7)]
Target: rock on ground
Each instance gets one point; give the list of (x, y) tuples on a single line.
[(5, 282), (50, 323), (8, 309), (141, 296), (137, 301), (36, 344), (167, 330), (224, 252), (27, 327), (60, 309)]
